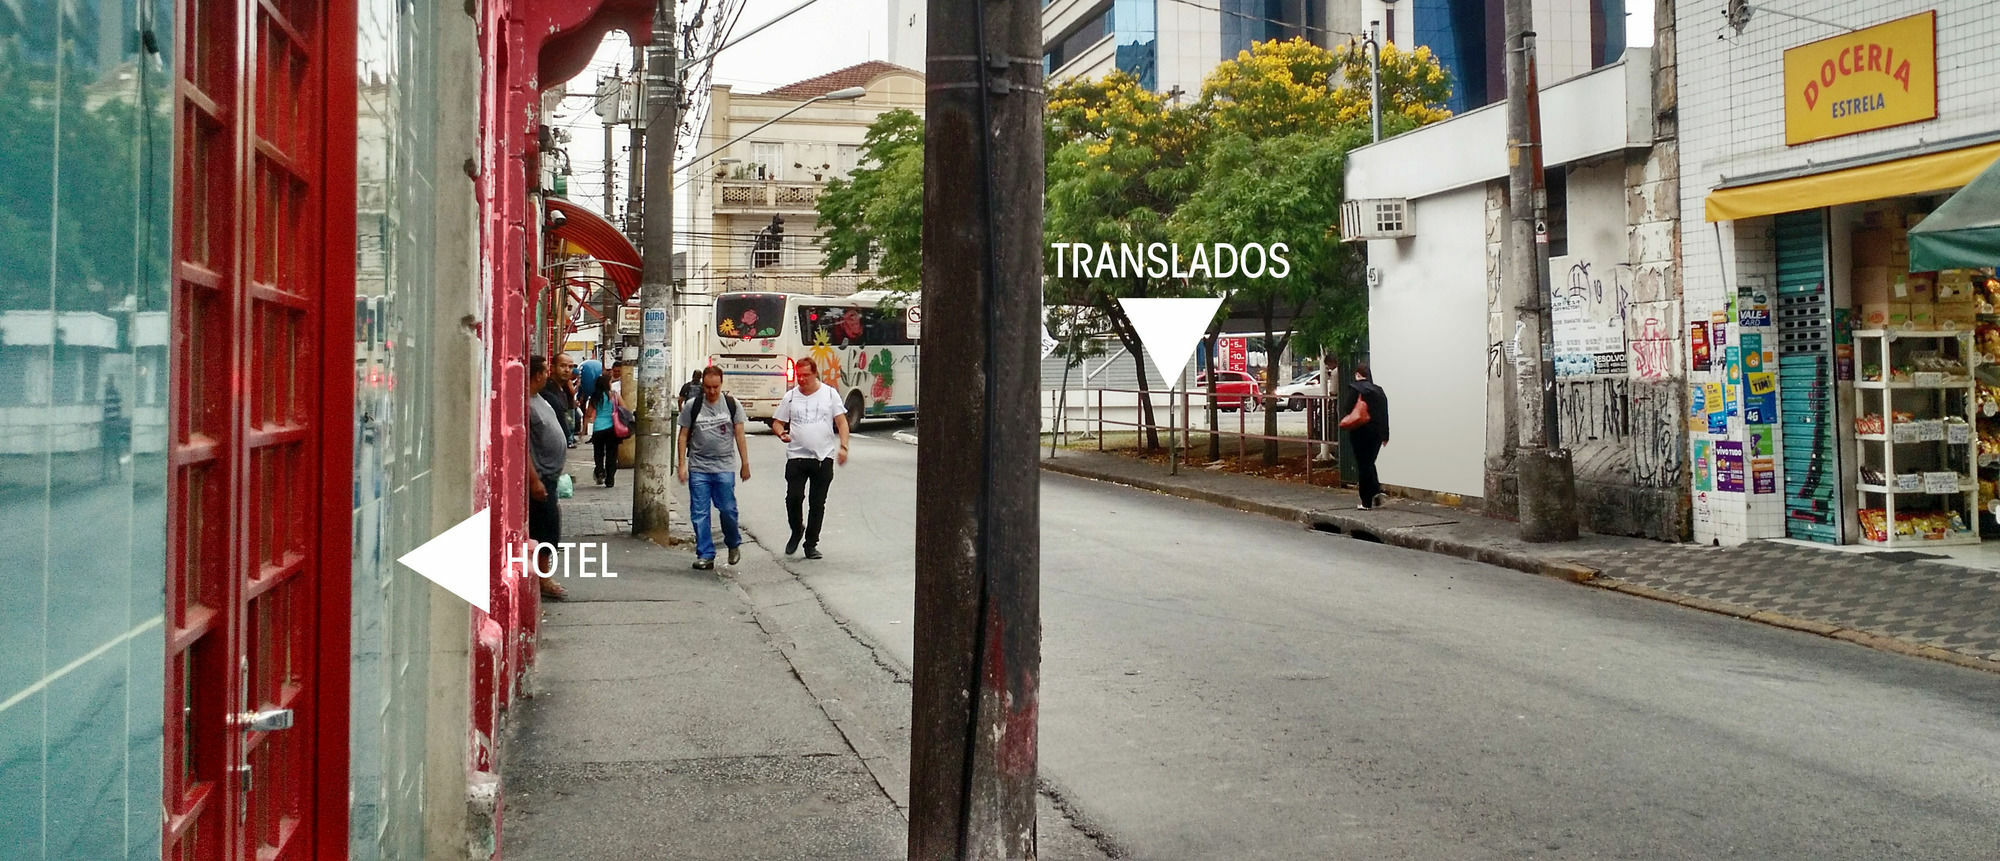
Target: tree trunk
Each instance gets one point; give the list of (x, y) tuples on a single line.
[(1273, 348), (1129, 338), (1214, 411)]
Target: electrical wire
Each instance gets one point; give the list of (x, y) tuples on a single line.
[(1249, 17)]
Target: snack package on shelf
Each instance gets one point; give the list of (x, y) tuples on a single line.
[(1868, 425), (1874, 524), (1988, 337)]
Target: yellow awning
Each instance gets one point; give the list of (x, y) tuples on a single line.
[(1914, 175)]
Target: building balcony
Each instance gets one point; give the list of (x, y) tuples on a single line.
[(751, 196)]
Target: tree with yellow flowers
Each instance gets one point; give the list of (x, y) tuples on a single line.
[(1280, 121), (1120, 161)]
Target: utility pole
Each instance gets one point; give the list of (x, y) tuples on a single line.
[(978, 613), (652, 487), (1546, 477)]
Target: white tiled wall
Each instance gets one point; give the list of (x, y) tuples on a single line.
[(1731, 116)]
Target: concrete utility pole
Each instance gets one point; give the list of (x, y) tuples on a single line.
[(978, 612), (653, 473), (1546, 476)]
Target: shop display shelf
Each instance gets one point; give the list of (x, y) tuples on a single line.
[(1963, 487), (1900, 541), (1946, 386), (1894, 334)]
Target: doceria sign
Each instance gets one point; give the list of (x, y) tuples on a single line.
[(1882, 76)]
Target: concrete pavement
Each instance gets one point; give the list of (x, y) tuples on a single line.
[(675, 713), (1223, 685), (1908, 603)]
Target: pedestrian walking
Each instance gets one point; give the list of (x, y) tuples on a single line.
[(546, 453), (1368, 429), (689, 391), (813, 424), (601, 415), (713, 452), (557, 392)]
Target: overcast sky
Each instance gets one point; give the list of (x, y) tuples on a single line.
[(822, 37)]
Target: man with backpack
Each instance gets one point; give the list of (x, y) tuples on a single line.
[(1368, 428), (713, 452)]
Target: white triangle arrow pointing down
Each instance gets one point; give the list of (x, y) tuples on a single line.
[(1170, 329), (458, 559)]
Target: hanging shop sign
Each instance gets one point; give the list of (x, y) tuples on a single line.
[(1882, 76)]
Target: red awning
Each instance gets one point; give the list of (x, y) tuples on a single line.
[(589, 231)]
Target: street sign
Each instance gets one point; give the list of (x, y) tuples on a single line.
[(628, 319), (913, 320)]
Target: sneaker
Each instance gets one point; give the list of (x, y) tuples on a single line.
[(813, 553), (792, 546), (704, 564), (735, 555), (1365, 507), (1381, 499)]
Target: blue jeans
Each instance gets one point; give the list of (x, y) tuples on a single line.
[(719, 489)]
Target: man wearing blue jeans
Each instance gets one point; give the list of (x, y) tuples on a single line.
[(713, 452)]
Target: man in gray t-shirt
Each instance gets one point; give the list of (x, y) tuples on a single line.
[(713, 452), (547, 447)]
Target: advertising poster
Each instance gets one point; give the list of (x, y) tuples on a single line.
[(1718, 330), (1753, 308), (1715, 407), (1763, 475), (1753, 352), (1698, 344), (1702, 479), (1729, 467), (1760, 402)]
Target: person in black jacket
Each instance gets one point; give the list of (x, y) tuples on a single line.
[(1367, 428), (557, 393)]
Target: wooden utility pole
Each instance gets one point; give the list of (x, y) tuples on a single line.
[(978, 615), (1546, 476), (653, 467)]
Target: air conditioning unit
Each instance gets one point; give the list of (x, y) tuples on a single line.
[(1375, 218)]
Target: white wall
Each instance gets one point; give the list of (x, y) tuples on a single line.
[(1427, 340), (1605, 111)]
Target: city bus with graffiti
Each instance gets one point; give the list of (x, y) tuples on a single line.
[(860, 342)]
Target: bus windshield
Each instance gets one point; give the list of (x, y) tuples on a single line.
[(750, 315)]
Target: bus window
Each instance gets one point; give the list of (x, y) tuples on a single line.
[(841, 327), (749, 315)]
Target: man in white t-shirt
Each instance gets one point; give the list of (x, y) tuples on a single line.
[(813, 423)]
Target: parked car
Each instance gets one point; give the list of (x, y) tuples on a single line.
[(1234, 390), (1296, 392)]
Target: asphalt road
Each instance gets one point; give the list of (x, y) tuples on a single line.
[(1223, 685)]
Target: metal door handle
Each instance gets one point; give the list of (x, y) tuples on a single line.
[(268, 720)]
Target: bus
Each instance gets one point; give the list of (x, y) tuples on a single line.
[(859, 343)]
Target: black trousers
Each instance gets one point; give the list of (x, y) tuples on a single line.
[(545, 515), (802, 473), (1366, 448), (604, 450)]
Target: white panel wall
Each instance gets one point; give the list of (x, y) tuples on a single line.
[(1606, 111), (1427, 341)]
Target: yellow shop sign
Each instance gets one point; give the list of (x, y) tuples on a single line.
[(1883, 76)]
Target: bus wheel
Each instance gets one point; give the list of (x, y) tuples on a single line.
[(853, 410)]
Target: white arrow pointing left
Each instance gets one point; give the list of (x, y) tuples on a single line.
[(458, 559)]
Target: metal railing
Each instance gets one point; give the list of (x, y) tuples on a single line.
[(757, 195), (1185, 414)]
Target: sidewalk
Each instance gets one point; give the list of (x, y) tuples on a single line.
[(675, 713), (1900, 602)]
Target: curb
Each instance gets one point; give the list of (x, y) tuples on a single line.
[(1517, 560)]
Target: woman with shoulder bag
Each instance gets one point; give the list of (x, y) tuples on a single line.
[(1368, 429), (609, 423)]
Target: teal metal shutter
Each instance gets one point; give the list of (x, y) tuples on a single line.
[(1806, 383)]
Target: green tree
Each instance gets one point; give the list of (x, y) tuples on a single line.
[(874, 219), (1282, 118), (1120, 161)]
